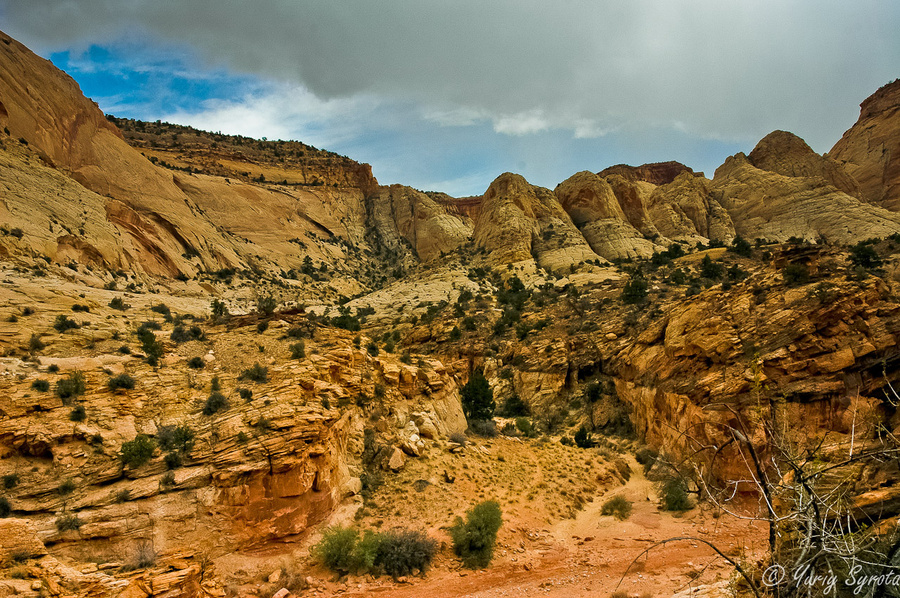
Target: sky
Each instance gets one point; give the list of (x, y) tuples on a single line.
[(446, 96)]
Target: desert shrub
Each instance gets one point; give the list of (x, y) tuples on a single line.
[(181, 334), (121, 382), (161, 308), (459, 438), (710, 269), (403, 552), (71, 387), (152, 348), (218, 310), (455, 334), (257, 373), (741, 246), (266, 305), (245, 393), (81, 308), (372, 349), (795, 274), (118, 303), (144, 556), (514, 407), (298, 350), (172, 460), (583, 438), (10, 480), (5, 507), (635, 291), (486, 428), (477, 398), (35, 343), (137, 452), (78, 413), (68, 523), (175, 438), (63, 323), (593, 392), (617, 506), (342, 550), (40, 385), (65, 487), (646, 457), (196, 363), (524, 425), (214, 403), (675, 496), (474, 538), (863, 255)]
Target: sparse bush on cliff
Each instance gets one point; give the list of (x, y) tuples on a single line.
[(63, 323), (40, 385), (795, 274), (298, 350), (474, 538), (71, 387), (266, 305), (214, 403), (257, 373), (5, 507), (675, 496), (121, 382), (68, 523), (137, 452)]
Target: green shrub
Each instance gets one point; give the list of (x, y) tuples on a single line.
[(403, 552), (10, 480), (214, 403), (710, 269), (175, 438), (514, 407), (137, 452), (675, 496), (71, 387), (173, 460), (78, 413), (635, 291), (863, 255), (342, 550), (40, 385), (81, 308), (218, 310), (121, 382), (474, 538), (477, 398), (741, 246), (486, 428), (583, 438), (455, 334), (795, 274), (180, 334), (5, 507), (266, 305), (63, 323), (118, 303), (298, 350), (65, 487), (372, 349), (196, 363), (150, 344), (162, 309), (524, 425), (617, 506), (245, 393), (35, 343), (257, 373)]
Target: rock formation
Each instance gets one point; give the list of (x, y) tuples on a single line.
[(870, 149), (519, 222)]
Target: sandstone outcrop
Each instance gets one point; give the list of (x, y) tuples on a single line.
[(519, 222), (399, 211), (684, 210), (785, 153), (591, 203), (870, 149), (767, 205)]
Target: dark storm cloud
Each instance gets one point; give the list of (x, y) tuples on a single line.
[(712, 69)]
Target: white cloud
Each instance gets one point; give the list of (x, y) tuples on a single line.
[(522, 123)]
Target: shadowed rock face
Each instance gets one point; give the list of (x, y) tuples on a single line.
[(870, 149)]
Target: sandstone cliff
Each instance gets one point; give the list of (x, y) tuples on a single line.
[(870, 149)]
